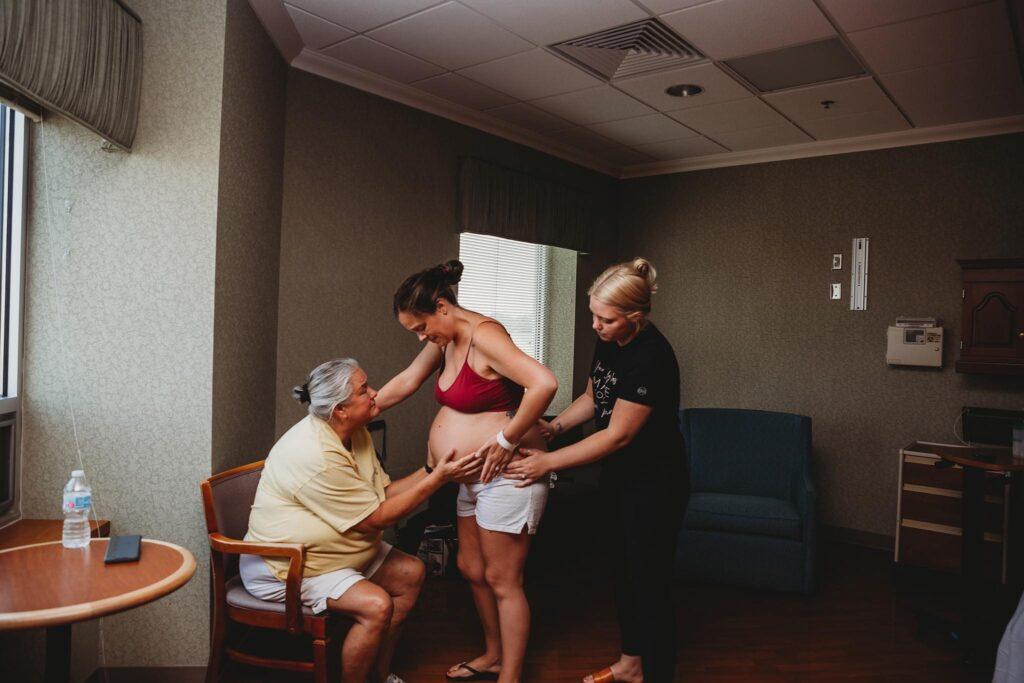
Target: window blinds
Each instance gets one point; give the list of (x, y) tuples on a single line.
[(507, 281)]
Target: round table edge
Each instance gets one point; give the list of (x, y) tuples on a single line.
[(57, 616)]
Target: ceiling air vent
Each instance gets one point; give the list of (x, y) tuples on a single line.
[(628, 50)]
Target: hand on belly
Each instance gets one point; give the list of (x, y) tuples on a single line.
[(465, 433)]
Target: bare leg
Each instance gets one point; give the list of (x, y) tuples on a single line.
[(372, 608), (401, 576), (504, 556), (471, 564)]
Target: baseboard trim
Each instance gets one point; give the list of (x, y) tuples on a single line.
[(866, 539), (150, 674)]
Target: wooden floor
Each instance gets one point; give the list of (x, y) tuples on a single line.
[(861, 626)]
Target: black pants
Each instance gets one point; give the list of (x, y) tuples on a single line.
[(644, 516)]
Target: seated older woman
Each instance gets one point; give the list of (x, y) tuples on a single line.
[(323, 486)]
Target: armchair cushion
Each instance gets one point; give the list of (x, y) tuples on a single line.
[(744, 515), (237, 596)]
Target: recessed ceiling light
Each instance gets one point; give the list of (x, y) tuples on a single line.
[(684, 90)]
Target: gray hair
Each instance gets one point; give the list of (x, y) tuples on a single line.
[(328, 386)]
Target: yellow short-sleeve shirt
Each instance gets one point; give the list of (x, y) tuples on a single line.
[(312, 491)]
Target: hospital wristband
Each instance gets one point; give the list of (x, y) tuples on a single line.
[(505, 443)]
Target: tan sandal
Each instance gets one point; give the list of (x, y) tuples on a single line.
[(604, 676)]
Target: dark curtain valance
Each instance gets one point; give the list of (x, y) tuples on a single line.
[(500, 201), (81, 58)]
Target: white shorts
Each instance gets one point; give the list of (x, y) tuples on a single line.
[(502, 506), (261, 582)]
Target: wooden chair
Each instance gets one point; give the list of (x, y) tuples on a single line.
[(227, 499)]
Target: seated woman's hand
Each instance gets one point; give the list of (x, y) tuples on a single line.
[(529, 468), (495, 459), (466, 468)]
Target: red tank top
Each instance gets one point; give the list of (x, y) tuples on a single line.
[(471, 393)]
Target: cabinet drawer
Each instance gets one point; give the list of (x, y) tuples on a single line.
[(941, 550), (943, 508), (921, 470)]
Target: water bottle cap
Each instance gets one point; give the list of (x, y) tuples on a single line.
[(77, 473)]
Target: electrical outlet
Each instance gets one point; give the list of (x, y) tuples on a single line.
[(836, 291), (837, 261)]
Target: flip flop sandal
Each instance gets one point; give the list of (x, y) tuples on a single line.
[(476, 675), (604, 676)]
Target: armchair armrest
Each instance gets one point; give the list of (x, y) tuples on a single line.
[(296, 554)]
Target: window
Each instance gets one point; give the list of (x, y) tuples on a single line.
[(531, 290), (507, 281), (12, 194)]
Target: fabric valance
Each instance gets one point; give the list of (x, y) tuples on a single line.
[(499, 201), (81, 58)]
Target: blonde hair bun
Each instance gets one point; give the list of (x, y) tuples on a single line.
[(627, 286)]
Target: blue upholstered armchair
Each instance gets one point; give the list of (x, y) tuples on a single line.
[(751, 518)]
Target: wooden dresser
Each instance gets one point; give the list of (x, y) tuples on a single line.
[(928, 515)]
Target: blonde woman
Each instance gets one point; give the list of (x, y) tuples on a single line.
[(633, 397)]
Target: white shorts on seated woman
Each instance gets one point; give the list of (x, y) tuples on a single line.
[(261, 582)]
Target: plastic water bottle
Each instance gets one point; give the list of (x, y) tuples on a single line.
[(77, 504)]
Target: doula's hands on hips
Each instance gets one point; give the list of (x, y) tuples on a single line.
[(495, 458), (547, 430), (528, 469), (451, 469)]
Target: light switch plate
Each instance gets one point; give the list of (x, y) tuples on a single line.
[(837, 291), (837, 261)]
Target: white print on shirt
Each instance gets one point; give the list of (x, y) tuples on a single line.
[(602, 389)]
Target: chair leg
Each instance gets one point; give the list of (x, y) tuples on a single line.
[(321, 663), (216, 660)]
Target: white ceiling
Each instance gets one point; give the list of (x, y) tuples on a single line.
[(936, 69)]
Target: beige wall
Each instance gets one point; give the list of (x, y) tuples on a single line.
[(744, 255), (248, 242), (369, 198), (119, 321)]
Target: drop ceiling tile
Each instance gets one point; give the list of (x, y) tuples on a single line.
[(451, 35), (314, 31), (726, 117), (718, 87), (734, 28), (988, 87), (362, 15), (549, 21), (849, 97), (856, 15), (681, 149), (759, 138), (527, 116), (642, 130), (590, 142), (373, 56), (952, 36), (662, 6), (595, 105), (855, 125), (461, 90), (531, 75)]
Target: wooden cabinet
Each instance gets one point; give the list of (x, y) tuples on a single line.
[(992, 325), (929, 513)]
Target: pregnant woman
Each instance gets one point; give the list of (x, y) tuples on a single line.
[(491, 396)]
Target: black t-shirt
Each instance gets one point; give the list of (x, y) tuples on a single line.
[(643, 371)]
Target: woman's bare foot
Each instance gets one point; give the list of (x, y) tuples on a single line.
[(482, 663), (627, 670)]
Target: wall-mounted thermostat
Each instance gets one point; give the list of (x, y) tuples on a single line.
[(915, 341)]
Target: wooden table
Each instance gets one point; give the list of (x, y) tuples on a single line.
[(31, 531), (48, 585), (975, 461)]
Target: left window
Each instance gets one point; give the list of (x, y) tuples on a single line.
[(12, 234)]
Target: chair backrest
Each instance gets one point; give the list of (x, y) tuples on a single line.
[(747, 452), (227, 500)]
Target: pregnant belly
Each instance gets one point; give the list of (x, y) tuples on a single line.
[(465, 432)]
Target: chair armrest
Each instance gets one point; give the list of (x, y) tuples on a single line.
[(806, 493), (296, 554)]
